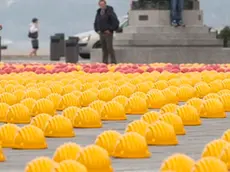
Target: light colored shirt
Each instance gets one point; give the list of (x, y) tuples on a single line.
[(102, 11), (33, 28)]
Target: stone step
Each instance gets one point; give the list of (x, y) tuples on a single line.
[(165, 29), (169, 42), (207, 55), (152, 36), (121, 36)]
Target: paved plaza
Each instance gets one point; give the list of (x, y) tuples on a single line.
[(39, 59), (191, 144)]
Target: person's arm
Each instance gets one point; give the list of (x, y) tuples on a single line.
[(96, 29), (114, 20), (33, 29)]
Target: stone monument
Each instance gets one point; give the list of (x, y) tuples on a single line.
[(150, 37)]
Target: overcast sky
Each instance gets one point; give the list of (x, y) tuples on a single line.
[(74, 16)]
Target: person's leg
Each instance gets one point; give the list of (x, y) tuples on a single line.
[(32, 51), (36, 46), (35, 52), (180, 11), (174, 12), (105, 55), (109, 42)]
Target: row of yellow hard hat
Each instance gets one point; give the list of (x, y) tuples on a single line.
[(115, 109), (171, 94), (106, 90), (168, 78), (212, 106), (139, 149), (214, 158), (190, 113), (117, 78), (70, 156), (137, 103)]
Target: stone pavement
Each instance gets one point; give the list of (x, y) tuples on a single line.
[(39, 59), (191, 144)]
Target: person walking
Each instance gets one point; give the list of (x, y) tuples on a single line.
[(33, 35), (106, 22), (177, 7)]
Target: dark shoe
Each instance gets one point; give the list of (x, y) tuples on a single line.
[(105, 61), (113, 62)]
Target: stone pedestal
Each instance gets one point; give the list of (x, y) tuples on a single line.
[(174, 55), (162, 18), (150, 38)]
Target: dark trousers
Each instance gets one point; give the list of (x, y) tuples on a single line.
[(107, 48), (177, 7), (35, 43)]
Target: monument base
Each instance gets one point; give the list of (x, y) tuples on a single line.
[(149, 38), (162, 17), (207, 55)]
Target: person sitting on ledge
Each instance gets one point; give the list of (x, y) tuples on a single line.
[(177, 7)]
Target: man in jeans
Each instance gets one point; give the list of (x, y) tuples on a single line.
[(105, 24), (177, 7)]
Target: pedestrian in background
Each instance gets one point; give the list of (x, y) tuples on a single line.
[(33, 35), (106, 22)]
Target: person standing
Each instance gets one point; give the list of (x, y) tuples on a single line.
[(177, 7), (33, 35), (106, 22)]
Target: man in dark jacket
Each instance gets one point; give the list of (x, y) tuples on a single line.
[(105, 24)]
